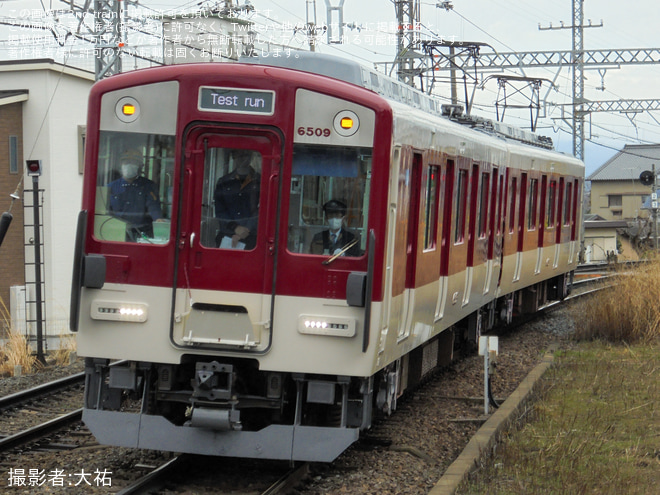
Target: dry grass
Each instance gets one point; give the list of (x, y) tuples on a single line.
[(629, 312), (595, 431), (15, 350), (62, 356)]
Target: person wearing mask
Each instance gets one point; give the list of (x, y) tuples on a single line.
[(236, 198), (336, 238), (134, 199)]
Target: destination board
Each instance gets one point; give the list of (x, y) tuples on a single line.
[(234, 100)]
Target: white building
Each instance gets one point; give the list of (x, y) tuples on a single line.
[(54, 117)]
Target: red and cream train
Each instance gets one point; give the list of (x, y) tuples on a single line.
[(266, 350)]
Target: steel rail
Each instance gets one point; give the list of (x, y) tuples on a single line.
[(12, 400), (40, 430)]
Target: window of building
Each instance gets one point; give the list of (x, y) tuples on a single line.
[(614, 200), (82, 135), (13, 154)]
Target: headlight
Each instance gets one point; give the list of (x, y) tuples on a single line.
[(326, 325), (119, 311)]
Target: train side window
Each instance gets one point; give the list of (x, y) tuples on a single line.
[(460, 205), (230, 198), (532, 202), (134, 187), (329, 200), (431, 208)]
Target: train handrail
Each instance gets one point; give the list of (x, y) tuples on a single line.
[(368, 290)]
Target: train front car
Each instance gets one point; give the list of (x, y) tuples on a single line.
[(227, 251)]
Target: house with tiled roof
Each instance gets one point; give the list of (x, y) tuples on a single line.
[(616, 191)]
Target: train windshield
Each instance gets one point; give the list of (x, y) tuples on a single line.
[(230, 200), (329, 205), (134, 187)]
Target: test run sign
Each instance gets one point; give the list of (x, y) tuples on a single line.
[(234, 100)]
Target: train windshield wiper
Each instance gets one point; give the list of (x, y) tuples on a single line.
[(337, 255)]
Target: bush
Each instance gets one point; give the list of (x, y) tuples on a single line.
[(628, 311)]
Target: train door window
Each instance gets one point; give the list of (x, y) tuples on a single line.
[(134, 187), (512, 205), (447, 212), (576, 194), (551, 205), (329, 200), (567, 204), (500, 203), (230, 198), (521, 213), (431, 207), (532, 202), (460, 205), (483, 205)]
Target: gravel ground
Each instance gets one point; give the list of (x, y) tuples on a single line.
[(12, 384), (406, 454), (431, 429)]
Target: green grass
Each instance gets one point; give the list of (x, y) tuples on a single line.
[(595, 426), (596, 429)]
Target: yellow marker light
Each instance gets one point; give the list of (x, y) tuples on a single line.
[(346, 123), (128, 109)]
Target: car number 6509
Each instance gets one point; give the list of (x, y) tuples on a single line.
[(314, 131)]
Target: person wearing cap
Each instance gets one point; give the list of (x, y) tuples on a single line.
[(236, 198), (134, 199), (336, 238)]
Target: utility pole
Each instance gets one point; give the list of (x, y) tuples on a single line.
[(311, 26), (408, 19), (108, 31), (339, 9), (577, 62)]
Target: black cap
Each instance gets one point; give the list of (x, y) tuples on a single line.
[(334, 206)]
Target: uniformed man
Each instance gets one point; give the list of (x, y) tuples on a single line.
[(134, 199), (337, 237), (237, 204)]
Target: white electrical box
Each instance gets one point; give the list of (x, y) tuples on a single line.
[(488, 344)]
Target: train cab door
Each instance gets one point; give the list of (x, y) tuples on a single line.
[(227, 239)]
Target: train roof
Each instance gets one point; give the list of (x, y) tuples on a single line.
[(352, 72)]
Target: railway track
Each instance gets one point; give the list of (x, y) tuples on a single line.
[(22, 412), (271, 483)]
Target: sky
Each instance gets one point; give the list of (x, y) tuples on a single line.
[(505, 25)]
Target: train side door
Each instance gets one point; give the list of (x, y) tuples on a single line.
[(227, 239), (404, 216)]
